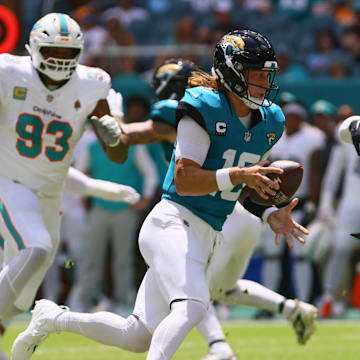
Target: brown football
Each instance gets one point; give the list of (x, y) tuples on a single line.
[(289, 182)]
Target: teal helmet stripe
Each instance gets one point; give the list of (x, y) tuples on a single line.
[(63, 25), (2, 242), (11, 227)]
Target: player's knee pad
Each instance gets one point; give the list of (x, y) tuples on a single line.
[(192, 311), (139, 337)]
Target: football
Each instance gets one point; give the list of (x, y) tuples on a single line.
[(289, 182)]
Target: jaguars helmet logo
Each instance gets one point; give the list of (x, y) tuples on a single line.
[(168, 68), (232, 44)]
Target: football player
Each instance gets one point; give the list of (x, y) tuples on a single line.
[(299, 143), (174, 295), (342, 158), (45, 101), (78, 183), (241, 229)]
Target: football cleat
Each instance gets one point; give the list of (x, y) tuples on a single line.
[(219, 356), (41, 325), (302, 319)]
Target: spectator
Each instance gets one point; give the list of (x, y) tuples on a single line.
[(327, 51), (290, 70), (344, 112), (126, 13), (94, 34)]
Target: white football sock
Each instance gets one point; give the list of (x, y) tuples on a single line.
[(172, 330), (109, 329), (210, 327), (250, 293)]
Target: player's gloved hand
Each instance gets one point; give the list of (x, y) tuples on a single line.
[(113, 192), (108, 129), (354, 129)]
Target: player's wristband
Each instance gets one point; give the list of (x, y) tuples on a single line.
[(223, 179), (267, 213)]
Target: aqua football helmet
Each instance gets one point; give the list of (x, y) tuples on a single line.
[(170, 78), (55, 30), (240, 50)]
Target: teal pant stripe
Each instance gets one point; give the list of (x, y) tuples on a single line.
[(11, 227), (64, 30), (2, 243)]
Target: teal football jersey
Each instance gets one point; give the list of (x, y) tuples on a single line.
[(165, 111), (231, 144)]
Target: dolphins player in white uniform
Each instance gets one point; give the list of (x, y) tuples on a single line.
[(298, 143), (343, 157), (45, 101), (78, 183)]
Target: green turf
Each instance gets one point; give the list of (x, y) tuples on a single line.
[(251, 340)]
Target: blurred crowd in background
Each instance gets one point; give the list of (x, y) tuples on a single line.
[(318, 49)]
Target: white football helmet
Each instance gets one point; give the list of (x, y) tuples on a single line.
[(55, 30)]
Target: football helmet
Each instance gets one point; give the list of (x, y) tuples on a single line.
[(60, 31), (240, 50), (170, 78)]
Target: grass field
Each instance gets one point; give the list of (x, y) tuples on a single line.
[(252, 340)]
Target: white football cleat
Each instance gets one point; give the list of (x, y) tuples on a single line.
[(219, 356), (41, 325), (302, 319)]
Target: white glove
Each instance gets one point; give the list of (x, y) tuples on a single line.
[(79, 183), (108, 129), (110, 191)]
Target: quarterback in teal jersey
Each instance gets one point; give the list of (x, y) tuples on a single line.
[(180, 237)]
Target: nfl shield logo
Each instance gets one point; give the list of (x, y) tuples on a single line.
[(247, 136), (50, 98)]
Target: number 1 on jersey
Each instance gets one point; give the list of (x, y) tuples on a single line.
[(244, 159)]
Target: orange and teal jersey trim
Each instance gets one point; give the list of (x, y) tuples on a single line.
[(2, 243), (9, 224)]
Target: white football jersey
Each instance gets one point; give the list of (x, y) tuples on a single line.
[(299, 147), (39, 128), (345, 156)]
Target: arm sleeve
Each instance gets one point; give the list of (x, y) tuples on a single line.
[(147, 168), (77, 182), (115, 101), (193, 141)]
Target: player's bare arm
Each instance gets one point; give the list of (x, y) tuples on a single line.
[(192, 180), (147, 132), (119, 152)]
